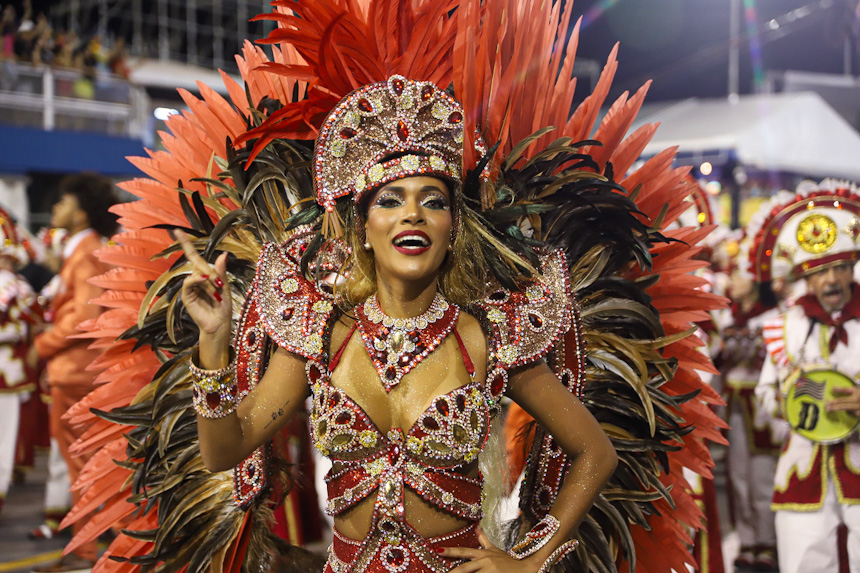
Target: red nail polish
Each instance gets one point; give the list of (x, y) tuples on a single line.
[(218, 282), (204, 277), (440, 549), (217, 296)]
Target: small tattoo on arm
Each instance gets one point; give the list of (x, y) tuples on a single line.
[(277, 414)]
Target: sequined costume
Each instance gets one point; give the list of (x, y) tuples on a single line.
[(589, 303)]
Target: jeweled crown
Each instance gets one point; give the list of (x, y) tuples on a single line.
[(384, 132)]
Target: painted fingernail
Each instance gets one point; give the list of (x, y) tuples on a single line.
[(204, 277), (218, 282), (217, 296), (440, 550)]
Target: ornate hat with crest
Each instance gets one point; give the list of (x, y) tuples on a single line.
[(818, 227), (386, 131)]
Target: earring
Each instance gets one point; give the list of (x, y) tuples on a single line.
[(366, 246)]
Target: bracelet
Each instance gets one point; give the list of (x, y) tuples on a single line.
[(214, 391), (537, 537), (563, 551)]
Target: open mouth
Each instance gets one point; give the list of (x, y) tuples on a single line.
[(412, 242)]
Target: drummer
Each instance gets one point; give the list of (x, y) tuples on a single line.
[(817, 482)]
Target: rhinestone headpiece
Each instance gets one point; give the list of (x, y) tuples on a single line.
[(384, 132)]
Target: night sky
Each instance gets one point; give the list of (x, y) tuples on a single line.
[(683, 45)]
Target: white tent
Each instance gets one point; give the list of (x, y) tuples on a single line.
[(796, 132)]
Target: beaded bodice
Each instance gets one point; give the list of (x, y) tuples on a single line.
[(448, 435)]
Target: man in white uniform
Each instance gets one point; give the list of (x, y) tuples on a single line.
[(817, 482)]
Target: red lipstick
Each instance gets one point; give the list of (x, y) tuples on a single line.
[(412, 242)]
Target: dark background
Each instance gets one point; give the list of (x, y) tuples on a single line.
[(683, 45)]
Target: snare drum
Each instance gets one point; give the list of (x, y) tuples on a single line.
[(806, 393)]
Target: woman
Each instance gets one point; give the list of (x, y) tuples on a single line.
[(547, 295), (409, 241)]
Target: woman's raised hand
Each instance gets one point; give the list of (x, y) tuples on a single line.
[(206, 291)]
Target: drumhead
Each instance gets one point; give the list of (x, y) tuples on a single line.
[(808, 392)]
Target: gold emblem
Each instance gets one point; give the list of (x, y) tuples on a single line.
[(816, 233)]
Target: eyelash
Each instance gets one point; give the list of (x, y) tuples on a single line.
[(390, 201)]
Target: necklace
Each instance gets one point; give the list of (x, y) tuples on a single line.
[(397, 345)]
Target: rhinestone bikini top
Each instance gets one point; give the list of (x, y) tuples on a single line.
[(449, 434)]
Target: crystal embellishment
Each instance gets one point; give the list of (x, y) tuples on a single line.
[(396, 346)]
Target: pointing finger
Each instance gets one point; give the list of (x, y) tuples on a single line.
[(191, 253)]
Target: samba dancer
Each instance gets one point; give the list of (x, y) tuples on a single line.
[(408, 356)]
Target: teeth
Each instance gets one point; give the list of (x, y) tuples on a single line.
[(416, 240)]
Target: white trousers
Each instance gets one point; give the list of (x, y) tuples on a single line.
[(806, 541), (751, 487), (58, 498), (10, 417)]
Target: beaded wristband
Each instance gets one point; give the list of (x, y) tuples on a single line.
[(536, 538), (563, 551), (214, 391)]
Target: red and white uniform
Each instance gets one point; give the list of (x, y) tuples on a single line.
[(16, 317), (816, 487), (754, 440)]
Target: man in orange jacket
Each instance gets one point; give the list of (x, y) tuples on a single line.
[(83, 212)]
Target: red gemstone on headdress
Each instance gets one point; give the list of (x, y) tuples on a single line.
[(461, 402), (388, 526), (252, 470), (287, 313), (334, 400), (365, 105), (398, 85), (342, 418), (396, 557), (213, 399), (430, 423), (535, 320), (455, 117), (539, 527), (252, 338), (347, 133), (498, 296), (394, 454), (426, 92), (391, 373), (402, 130)]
